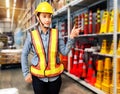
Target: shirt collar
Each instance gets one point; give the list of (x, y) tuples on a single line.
[(41, 32)]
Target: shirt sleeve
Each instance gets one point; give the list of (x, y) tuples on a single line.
[(24, 57), (64, 48)]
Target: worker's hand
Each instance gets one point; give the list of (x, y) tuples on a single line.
[(75, 32), (28, 78)]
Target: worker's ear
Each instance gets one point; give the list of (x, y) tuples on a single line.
[(37, 18)]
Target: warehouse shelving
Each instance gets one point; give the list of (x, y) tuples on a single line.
[(81, 5), (94, 35), (94, 52), (84, 83), (90, 35), (115, 3), (108, 55), (27, 10), (30, 27), (76, 5), (26, 19)]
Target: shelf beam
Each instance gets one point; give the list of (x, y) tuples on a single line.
[(31, 27), (94, 89)]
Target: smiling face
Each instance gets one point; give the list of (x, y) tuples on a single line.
[(45, 19)]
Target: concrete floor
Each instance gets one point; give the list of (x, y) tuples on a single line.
[(10, 78)]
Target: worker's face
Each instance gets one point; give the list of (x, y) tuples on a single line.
[(45, 18)]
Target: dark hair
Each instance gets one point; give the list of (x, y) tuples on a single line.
[(38, 14)]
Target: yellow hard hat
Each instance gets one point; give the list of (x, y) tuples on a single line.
[(44, 7)]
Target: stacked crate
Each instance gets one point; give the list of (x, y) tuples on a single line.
[(10, 56)]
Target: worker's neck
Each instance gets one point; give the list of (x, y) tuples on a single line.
[(44, 29)]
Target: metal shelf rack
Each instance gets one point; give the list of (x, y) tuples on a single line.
[(80, 5)]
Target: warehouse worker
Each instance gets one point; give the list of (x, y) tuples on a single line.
[(45, 42)]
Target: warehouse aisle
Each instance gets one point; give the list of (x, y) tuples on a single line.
[(13, 78)]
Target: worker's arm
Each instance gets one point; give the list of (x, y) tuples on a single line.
[(24, 57), (65, 48)]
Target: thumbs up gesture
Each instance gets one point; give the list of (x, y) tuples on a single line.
[(75, 32)]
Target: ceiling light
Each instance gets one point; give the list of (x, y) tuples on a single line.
[(14, 5), (8, 13), (15, 1), (7, 3)]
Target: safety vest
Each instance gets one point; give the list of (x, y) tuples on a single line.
[(43, 68)]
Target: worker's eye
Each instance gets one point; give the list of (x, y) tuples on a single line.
[(47, 16), (44, 16)]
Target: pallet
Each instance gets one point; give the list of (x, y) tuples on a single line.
[(10, 66)]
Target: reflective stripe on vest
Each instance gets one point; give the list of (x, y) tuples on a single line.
[(44, 69)]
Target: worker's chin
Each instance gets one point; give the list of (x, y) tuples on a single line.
[(47, 26)]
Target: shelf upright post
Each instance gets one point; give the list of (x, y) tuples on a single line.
[(68, 17), (57, 24), (115, 8)]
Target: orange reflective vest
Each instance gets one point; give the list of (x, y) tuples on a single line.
[(43, 68)]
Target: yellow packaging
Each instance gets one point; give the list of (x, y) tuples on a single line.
[(105, 22), (106, 88), (111, 49), (107, 76), (99, 74), (111, 25), (119, 22), (118, 48), (104, 47)]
